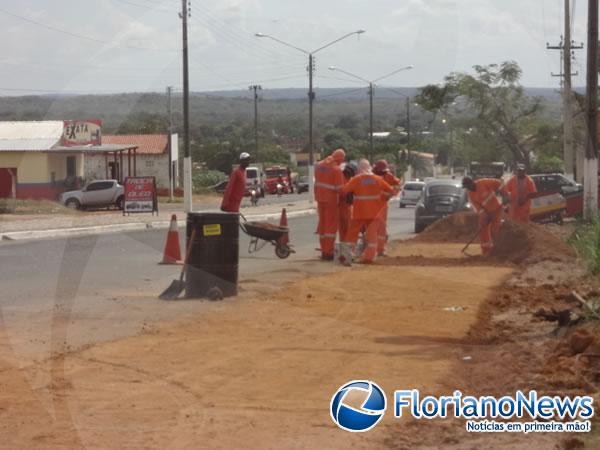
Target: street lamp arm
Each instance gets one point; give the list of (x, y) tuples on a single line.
[(394, 73), (338, 40), (261, 35), (337, 69)]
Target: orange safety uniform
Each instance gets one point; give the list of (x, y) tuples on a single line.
[(329, 180), (382, 234), (345, 213), (520, 203), (367, 191), (489, 207)]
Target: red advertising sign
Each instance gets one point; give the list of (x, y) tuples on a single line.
[(82, 132), (140, 195)]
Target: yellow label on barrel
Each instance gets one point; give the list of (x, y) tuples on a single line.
[(212, 229)]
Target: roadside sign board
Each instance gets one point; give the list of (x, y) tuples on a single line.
[(140, 195), (81, 132)]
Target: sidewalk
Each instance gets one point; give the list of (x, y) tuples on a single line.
[(15, 227)]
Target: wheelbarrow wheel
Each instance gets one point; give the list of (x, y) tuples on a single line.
[(282, 251), (214, 294)]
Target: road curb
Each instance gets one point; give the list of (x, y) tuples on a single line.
[(117, 228)]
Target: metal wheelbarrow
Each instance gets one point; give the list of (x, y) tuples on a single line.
[(262, 233)]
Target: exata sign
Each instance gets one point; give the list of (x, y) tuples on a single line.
[(82, 132)]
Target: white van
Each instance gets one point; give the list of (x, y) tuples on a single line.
[(254, 178), (411, 193)]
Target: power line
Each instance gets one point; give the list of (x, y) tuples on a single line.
[(80, 36), (351, 91), (350, 80), (153, 8)]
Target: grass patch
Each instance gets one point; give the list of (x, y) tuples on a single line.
[(586, 241), (27, 207)]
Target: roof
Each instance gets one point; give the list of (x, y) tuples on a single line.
[(381, 134), (30, 135), (104, 148), (444, 181), (148, 144)]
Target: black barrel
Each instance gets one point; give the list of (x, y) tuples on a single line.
[(214, 254)]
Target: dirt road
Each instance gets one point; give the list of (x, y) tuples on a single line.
[(257, 372)]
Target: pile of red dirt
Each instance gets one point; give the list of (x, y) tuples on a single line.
[(515, 242), (459, 227), (518, 242)]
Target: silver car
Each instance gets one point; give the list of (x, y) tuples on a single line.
[(411, 193), (97, 193)]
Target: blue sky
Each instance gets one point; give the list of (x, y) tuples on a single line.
[(134, 45)]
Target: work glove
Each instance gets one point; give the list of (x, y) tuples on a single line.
[(349, 198)]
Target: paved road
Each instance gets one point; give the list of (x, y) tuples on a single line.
[(267, 200), (106, 286)]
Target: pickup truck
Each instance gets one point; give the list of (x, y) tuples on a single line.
[(97, 193)]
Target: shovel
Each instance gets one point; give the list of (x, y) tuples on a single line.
[(177, 286), (464, 249)]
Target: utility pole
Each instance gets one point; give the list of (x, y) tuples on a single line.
[(187, 160), (311, 158), (590, 170), (566, 46), (568, 153), (371, 120), (255, 88), (408, 124), (311, 99), (170, 144)]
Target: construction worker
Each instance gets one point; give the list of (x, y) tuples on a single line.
[(382, 169), (236, 186), (521, 189), (367, 190), (345, 202), (483, 194), (328, 184)]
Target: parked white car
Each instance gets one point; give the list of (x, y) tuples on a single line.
[(97, 193), (411, 193)]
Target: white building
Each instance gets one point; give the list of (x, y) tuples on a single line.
[(152, 158)]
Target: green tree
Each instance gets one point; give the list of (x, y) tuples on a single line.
[(502, 113)]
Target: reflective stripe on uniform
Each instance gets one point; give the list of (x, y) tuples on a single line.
[(331, 187), (372, 245), (328, 235), (366, 197)]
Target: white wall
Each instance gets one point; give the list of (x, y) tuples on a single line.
[(147, 165)]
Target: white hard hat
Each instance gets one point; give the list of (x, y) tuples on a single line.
[(244, 155)]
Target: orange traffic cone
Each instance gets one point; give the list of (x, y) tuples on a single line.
[(172, 253), (283, 222)]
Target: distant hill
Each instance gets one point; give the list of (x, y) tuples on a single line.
[(226, 107)]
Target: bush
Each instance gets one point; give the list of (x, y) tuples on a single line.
[(586, 241), (547, 164), (206, 178)]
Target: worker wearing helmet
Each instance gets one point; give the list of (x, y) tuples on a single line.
[(328, 184), (483, 195), (236, 186), (345, 202), (382, 169), (367, 190), (521, 188)]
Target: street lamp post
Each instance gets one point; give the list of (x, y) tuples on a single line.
[(311, 95), (371, 84)]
